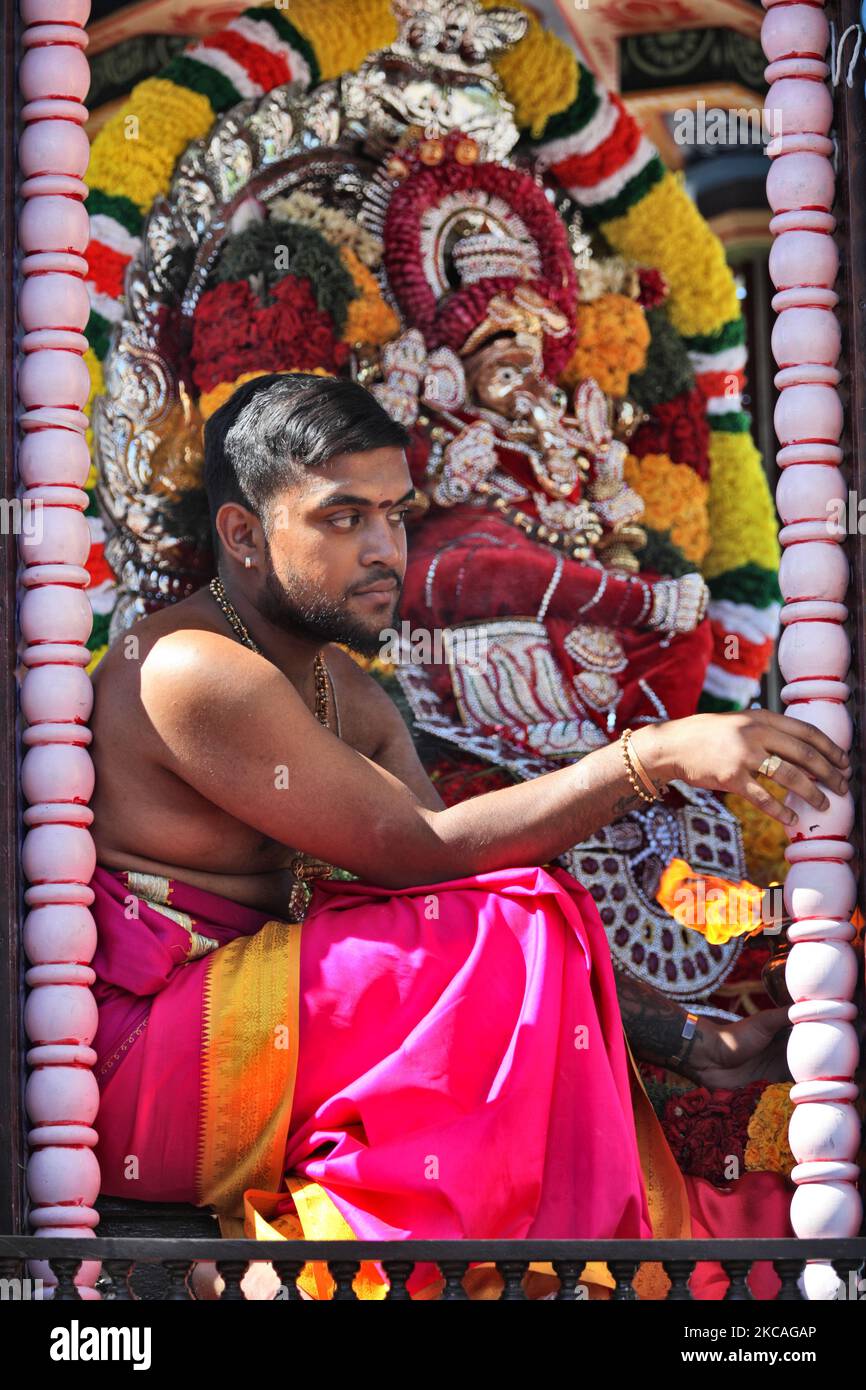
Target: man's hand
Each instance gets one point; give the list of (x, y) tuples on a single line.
[(724, 752), (726, 1055)]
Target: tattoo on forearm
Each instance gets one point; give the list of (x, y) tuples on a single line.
[(653, 1023), (631, 802)]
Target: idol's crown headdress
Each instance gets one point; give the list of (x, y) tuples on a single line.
[(456, 32)]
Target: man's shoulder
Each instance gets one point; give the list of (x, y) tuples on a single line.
[(350, 676), (167, 649)]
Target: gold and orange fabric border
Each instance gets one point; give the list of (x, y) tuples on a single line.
[(250, 1033)]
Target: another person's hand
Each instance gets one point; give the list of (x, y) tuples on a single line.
[(724, 752), (727, 1055)]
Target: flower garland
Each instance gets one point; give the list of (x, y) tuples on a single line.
[(608, 275), (675, 502), (449, 321), (233, 333), (369, 320), (764, 839), (272, 249), (668, 372), (135, 152), (678, 428), (540, 74), (613, 338), (719, 1134), (768, 1149), (335, 226), (661, 556), (708, 1130)]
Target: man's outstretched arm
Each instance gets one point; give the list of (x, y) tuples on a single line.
[(234, 728)]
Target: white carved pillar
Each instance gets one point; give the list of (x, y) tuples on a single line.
[(55, 622), (814, 652)]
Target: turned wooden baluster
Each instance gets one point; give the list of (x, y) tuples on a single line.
[(814, 652), (55, 620)]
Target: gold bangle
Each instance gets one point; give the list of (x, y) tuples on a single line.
[(655, 792), (627, 755)]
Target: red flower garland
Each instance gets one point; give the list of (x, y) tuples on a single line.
[(706, 1129), (586, 170), (263, 67), (654, 288), (106, 268), (679, 429), (233, 333)]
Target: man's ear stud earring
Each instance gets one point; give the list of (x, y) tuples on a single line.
[(247, 562)]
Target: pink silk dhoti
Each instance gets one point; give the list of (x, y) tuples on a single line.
[(443, 1061), (435, 1062)]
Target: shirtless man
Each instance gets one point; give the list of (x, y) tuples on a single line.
[(234, 774)]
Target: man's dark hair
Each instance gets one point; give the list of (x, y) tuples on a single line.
[(273, 428)]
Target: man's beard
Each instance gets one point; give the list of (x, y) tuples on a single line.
[(292, 608)]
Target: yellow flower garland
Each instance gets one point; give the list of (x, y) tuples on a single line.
[(613, 338), (97, 388), (741, 509), (540, 73), (675, 500), (342, 32), (666, 230), (768, 1150), (135, 152), (764, 839)]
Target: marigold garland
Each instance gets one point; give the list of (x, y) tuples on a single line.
[(675, 501), (764, 839), (768, 1150), (97, 381), (666, 230), (613, 337), (540, 74), (342, 32), (135, 152), (369, 321), (741, 509)]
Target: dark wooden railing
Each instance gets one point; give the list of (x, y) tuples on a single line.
[(124, 1258)]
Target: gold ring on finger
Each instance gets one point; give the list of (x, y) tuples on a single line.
[(770, 766)]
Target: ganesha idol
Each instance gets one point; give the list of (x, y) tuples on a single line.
[(528, 547), (532, 535)]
